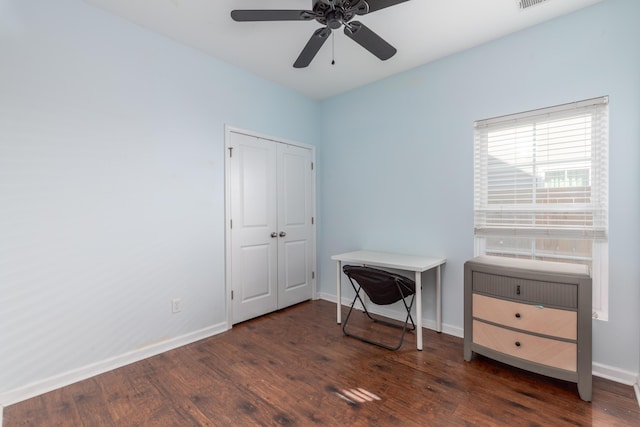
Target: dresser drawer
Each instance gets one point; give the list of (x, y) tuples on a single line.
[(533, 318), (545, 293), (545, 351)]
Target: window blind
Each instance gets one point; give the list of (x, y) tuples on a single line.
[(543, 173)]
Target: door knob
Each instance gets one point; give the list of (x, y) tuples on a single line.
[(282, 234), (274, 234)]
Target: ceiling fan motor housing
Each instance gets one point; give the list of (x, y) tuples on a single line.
[(335, 13)]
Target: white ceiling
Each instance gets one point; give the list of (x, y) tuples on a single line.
[(421, 30)]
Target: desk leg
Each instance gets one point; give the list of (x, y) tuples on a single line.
[(419, 310), (438, 300), (338, 293)]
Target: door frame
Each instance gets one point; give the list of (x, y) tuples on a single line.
[(227, 212)]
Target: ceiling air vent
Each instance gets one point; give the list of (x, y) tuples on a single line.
[(528, 3)]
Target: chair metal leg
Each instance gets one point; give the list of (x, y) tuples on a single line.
[(404, 327)]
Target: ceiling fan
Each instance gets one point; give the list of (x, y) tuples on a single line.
[(332, 14)]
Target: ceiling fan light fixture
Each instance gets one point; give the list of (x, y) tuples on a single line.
[(335, 19)]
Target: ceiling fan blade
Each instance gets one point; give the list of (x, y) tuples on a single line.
[(312, 47), (369, 40), (381, 4), (272, 15)]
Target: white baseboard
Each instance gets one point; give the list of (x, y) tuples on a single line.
[(614, 374), (636, 388), (40, 387)]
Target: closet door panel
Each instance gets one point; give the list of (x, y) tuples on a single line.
[(253, 213), (295, 225)]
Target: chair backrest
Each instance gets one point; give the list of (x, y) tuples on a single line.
[(382, 287)]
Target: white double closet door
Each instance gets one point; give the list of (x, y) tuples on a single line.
[(271, 226)]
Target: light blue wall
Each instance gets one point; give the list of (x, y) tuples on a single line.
[(112, 184), (396, 160)]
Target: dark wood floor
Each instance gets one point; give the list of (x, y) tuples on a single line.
[(296, 368)]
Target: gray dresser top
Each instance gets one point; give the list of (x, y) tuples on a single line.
[(531, 265)]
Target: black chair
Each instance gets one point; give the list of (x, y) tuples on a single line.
[(382, 288)]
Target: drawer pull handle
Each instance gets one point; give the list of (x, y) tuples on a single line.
[(517, 343), (518, 315)]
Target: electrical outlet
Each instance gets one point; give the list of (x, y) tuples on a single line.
[(176, 305)]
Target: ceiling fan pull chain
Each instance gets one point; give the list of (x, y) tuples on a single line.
[(333, 49)]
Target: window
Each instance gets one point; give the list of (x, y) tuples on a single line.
[(541, 188)]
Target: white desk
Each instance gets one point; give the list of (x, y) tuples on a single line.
[(414, 263)]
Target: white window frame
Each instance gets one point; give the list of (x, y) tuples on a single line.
[(599, 168)]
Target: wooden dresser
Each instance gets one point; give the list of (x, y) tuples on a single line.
[(534, 315)]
